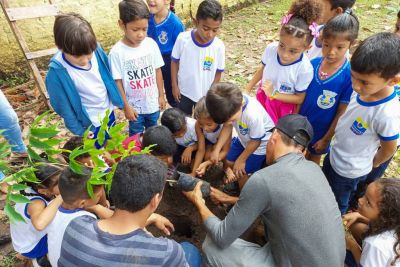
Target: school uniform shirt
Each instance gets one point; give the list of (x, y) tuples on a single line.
[(378, 250), (190, 136), (286, 79), (213, 136), (136, 67), (90, 87), (55, 231), (324, 96), (254, 124), (359, 131), (166, 32), (198, 64), (316, 47), (24, 236)]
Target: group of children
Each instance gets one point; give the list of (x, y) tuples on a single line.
[(349, 101)]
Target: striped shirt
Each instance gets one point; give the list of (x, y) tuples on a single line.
[(85, 244)]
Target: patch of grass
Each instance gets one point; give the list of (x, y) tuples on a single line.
[(8, 261)]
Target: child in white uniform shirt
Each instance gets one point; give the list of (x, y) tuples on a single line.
[(183, 129), (29, 238), (75, 198), (198, 57), (378, 222), (208, 133), (371, 120), (136, 63), (286, 71)]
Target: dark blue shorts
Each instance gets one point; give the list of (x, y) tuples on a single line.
[(111, 123), (253, 162), (39, 250)]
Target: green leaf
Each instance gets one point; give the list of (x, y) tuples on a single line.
[(116, 129), (39, 118), (89, 188), (44, 132), (18, 187), (38, 143), (18, 198), (33, 155), (12, 214), (53, 142), (76, 167)]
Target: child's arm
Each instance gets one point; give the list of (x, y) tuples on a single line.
[(218, 76), (225, 149), (354, 248), (100, 211), (161, 223), (201, 170), (257, 77), (387, 150), (224, 136), (130, 113), (201, 149), (41, 216), (321, 144), (187, 154), (160, 86), (240, 163), (174, 80), (296, 98)]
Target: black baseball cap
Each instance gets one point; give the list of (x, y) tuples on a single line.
[(296, 126)]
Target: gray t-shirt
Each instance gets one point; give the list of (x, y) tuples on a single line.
[(299, 211)]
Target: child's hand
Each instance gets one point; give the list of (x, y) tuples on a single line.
[(239, 168), (186, 157), (130, 113), (229, 176), (268, 88), (161, 102), (350, 218), (201, 170), (214, 156), (320, 145), (176, 92), (163, 224)]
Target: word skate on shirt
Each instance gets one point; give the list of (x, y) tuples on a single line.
[(254, 124), (136, 67), (198, 64), (190, 137), (359, 132)]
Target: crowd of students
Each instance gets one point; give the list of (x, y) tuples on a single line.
[(348, 105)]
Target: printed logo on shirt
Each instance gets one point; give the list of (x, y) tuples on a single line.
[(286, 89), (397, 90), (327, 99), (359, 126), (243, 128), (140, 75), (163, 37), (208, 62)]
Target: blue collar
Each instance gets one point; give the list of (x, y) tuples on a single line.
[(76, 67), (162, 22), (197, 43), (338, 72), (216, 129), (246, 101), (295, 62), (378, 102), (61, 209)]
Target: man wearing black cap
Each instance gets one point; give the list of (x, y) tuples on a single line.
[(294, 200)]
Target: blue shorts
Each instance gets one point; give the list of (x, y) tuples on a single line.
[(253, 162), (39, 250), (143, 122)]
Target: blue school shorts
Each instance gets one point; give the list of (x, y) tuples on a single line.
[(253, 162)]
